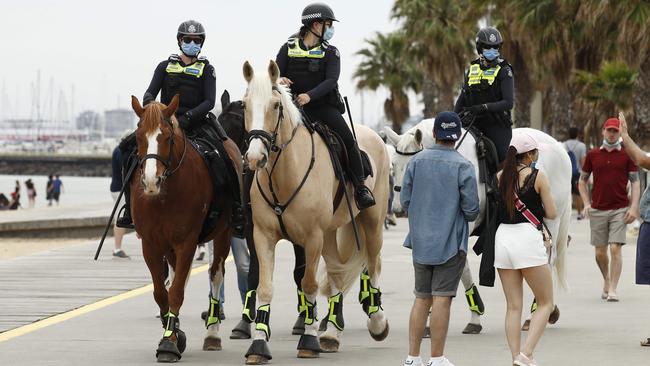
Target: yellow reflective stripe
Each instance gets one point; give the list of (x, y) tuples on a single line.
[(476, 74), (195, 69), (296, 51), (470, 296)]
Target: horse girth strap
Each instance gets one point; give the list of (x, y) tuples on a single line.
[(279, 208)]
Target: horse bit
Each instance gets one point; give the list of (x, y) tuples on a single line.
[(167, 163)]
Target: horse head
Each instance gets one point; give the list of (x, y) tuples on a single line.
[(406, 146), (155, 138), (232, 120), (266, 105)]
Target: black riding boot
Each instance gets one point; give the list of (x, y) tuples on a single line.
[(362, 194), (125, 221), (127, 148), (363, 197)]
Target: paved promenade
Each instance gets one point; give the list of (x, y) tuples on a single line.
[(122, 330)]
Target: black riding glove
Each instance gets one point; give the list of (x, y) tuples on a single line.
[(477, 109), (185, 121)]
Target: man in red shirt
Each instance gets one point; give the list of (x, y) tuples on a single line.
[(610, 210)]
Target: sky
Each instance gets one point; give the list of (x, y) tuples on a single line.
[(102, 52)]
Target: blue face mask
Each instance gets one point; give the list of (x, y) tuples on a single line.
[(191, 49), (490, 54), (329, 33)]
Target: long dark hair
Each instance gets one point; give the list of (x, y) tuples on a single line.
[(509, 179)]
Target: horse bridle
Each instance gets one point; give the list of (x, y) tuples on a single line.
[(167, 162), (270, 142)]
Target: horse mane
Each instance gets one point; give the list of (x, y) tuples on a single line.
[(153, 114), (259, 86)]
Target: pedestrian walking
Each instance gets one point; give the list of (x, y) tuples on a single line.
[(577, 151), (439, 192), (31, 192), (48, 189), (520, 248), (640, 158), (609, 209), (116, 188), (57, 189)]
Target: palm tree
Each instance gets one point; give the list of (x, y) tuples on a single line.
[(608, 91), (388, 62), (440, 32)]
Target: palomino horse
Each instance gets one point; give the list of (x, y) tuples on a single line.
[(553, 160), (170, 201), (294, 170)]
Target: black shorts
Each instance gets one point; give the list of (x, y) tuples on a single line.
[(574, 184)]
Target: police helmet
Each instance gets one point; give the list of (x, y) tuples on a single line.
[(488, 37), (317, 12), (191, 28)]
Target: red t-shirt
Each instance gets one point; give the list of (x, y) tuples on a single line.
[(611, 172)]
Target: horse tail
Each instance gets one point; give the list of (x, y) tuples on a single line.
[(561, 247), (345, 264)]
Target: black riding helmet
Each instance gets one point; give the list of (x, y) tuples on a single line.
[(488, 37), (317, 11), (190, 28)]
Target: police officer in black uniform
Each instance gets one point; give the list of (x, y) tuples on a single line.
[(488, 91), (311, 67), (193, 78)]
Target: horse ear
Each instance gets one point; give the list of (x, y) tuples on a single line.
[(172, 107), (418, 136), (274, 71), (248, 71), (392, 136), (137, 108), (225, 100)]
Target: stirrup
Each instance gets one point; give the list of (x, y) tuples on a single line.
[(124, 219)]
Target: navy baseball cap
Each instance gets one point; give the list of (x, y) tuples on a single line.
[(447, 126)]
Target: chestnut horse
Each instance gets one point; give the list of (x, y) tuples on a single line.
[(170, 200), (294, 170)]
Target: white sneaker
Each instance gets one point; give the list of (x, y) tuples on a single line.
[(444, 362), (416, 362)]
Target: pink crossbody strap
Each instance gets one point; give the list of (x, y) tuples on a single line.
[(521, 207)]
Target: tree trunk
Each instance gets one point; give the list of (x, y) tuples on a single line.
[(640, 126), (557, 113), (429, 97), (523, 91)]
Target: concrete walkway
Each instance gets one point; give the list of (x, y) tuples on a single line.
[(590, 331)]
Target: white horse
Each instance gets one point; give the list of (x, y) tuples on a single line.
[(553, 160)]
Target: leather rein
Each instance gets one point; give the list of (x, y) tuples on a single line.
[(270, 141), (167, 162)]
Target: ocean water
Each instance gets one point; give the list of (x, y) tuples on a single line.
[(76, 190)]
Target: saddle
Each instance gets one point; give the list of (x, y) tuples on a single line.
[(339, 156), (220, 167)]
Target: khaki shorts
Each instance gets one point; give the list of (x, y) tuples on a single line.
[(607, 226)]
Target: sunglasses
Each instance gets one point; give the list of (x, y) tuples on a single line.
[(193, 39)]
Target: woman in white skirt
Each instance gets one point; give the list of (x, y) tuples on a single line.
[(519, 251)]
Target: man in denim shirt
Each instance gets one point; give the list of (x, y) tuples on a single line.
[(642, 159), (439, 192)]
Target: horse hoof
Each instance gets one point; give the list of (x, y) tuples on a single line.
[(381, 336), (212, 344), (241, 331), (555, 315), (299, 326), (472, 328), (329, 345), (167, 351), (526, 325), (256, 360), (307, 353), (165, 357), (181, 341)]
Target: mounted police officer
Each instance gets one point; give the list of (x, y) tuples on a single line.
[(193, 78), (488, 91), (311, 67)]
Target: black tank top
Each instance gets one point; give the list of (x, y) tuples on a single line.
[(530, 198)]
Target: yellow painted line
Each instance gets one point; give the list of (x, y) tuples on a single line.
[(43, 323)]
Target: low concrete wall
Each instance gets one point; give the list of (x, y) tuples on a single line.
[(56, 228), (69, 165)]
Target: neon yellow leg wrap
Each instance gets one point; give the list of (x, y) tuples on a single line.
[(474, 300), (306, 307), (171, 324), (262, 320), (369, 296), (213, 312), (335, 314)]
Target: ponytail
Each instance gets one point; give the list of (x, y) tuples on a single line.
[(508, 181)]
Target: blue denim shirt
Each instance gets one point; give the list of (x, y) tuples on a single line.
[(440, 193), (644, 207)]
